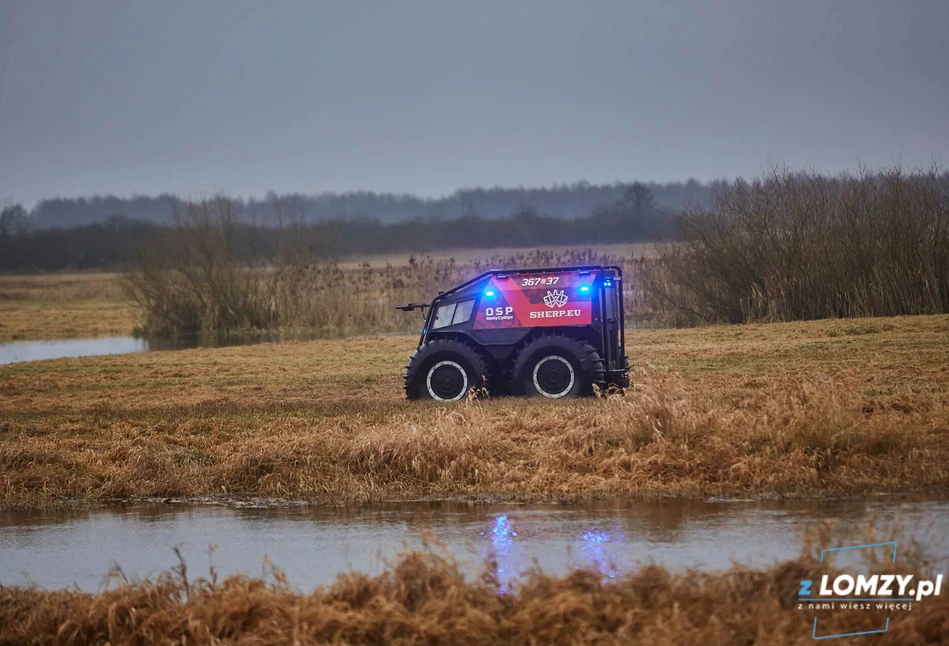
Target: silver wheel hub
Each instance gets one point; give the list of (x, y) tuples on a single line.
[(554, 376), (446, 381)]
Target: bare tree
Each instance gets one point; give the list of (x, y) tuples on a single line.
[(13, 220), (639, 198)]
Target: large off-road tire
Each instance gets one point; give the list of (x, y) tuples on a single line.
[(556, 366), (444, 370)]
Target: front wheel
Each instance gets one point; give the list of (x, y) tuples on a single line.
[(444, 370), (557, 366)]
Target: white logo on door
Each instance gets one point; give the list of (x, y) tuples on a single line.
[(555, 298)]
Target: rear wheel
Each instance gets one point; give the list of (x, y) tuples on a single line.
[(444, 370), (558, 366), (554, 376)]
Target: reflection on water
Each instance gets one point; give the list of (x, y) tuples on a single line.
[(19, 351), (59, 549), (595, 550), (502, 541)]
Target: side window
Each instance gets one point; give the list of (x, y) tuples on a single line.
[(443, 316), (463, 312)]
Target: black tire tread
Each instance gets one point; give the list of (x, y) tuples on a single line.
[(428, 351), (591, 364)]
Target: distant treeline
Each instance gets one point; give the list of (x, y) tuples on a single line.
[(115, 243), (564, 201), (111, 244)]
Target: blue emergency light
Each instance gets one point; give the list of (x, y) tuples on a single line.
[(489, 292), (584, 288)]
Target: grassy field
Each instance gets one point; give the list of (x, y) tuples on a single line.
[(424, 599), (822, 408), (63, 306)]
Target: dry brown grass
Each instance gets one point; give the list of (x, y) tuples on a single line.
[(823, 408), (59, 306), (423, 598)]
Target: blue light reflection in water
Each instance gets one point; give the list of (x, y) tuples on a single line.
[(596, 551), (595, 548), (502, 535)]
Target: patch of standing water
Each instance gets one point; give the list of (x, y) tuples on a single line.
[(20, 351), (312, 544)]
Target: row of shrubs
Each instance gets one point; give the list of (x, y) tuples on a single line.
[(786, 246), (804, 246)]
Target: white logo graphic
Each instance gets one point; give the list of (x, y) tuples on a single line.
[(555, 298)]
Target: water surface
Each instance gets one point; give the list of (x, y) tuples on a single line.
[(64, 548), (20, 351)]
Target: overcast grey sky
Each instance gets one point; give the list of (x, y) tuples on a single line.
[(196, 96)]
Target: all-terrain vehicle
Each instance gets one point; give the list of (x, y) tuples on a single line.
[(551, 332)]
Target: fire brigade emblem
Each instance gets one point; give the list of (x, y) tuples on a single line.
[(555, 298)]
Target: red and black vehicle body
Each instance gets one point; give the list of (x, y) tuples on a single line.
[(553, 332)]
